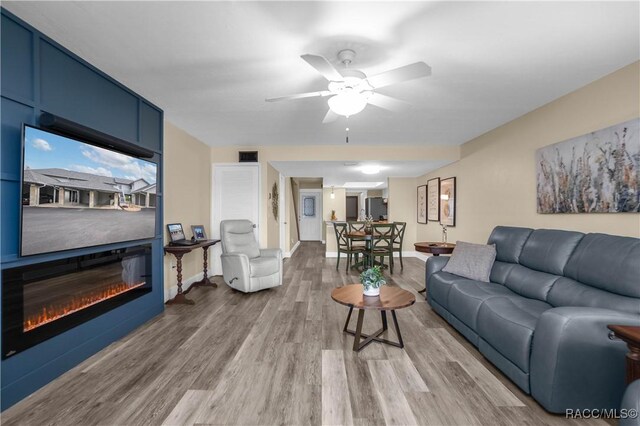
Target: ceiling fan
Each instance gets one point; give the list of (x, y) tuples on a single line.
[(350, 90)]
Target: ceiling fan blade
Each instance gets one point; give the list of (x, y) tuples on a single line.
[(299, 96), (323, 66), (408, 72), (330, 117), (387, 102)]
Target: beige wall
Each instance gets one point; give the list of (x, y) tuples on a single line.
[(402, 208), (339, 204), (266, 154), (273, 224), (496, 173), (186, 196)]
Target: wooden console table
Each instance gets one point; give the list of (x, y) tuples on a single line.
[(435, 249), (178, 252), (631, 336)]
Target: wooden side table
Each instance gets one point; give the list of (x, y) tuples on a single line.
[(631, 336), (178, 252), (435, 249), (390, 299)]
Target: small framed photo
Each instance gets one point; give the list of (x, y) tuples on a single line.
[(198, 232), (422, 204), (433, 200)]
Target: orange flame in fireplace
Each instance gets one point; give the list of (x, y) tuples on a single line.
[(76, 303)]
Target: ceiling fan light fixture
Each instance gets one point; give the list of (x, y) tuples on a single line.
[(347, 103), (370, 170)]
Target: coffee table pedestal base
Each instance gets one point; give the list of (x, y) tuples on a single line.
[(359, 344)]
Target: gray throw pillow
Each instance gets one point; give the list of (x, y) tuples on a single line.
[(473, 261)]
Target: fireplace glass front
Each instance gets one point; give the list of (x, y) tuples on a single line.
[(43, 300)]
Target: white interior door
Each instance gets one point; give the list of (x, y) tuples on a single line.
[(310, 215), (236, 195)]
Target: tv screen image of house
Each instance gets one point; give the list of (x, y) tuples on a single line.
[(76, 195)]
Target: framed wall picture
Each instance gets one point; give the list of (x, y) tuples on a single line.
[(198, 232), (422, 204), (448, 201), (433, 200)]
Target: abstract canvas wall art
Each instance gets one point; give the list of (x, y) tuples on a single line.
[(594, 173)]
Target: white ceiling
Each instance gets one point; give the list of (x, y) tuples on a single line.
[(337, 173), (210, 65)]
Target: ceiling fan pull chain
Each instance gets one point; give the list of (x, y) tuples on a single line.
[(347, 129)]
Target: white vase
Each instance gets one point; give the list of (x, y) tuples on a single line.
[(371, 291)]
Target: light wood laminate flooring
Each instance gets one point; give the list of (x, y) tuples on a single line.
[(280, 357)]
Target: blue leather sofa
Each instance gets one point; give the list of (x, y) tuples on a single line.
[(542, 320)]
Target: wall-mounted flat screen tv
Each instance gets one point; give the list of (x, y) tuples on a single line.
[(75, 194)]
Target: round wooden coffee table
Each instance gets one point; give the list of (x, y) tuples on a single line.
[(390, 299)]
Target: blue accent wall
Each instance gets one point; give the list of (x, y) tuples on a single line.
[(38, 75)]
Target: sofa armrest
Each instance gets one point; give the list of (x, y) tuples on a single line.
[(236, 270), (434, 264), (630, 405), (271, 253), (574, 364)]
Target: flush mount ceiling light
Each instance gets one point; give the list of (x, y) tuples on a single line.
[(370, 169), (351, 90), (362, 185)]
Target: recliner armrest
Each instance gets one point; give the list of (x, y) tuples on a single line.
[(574, 364), (235, 269), (271, 253)]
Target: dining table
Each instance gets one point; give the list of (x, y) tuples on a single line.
[(358, 236)]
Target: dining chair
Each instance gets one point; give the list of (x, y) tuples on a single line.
[(398, 239), (357, 227), (344, 245), (383, 235)]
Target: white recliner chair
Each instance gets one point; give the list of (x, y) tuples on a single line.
[(245, 266)]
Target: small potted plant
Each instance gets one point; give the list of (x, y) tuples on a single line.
[(372, 279)]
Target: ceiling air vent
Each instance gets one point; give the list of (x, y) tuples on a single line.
[(248, 156)]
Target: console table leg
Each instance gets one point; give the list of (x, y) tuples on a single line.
[(205, 281), (180, 297)]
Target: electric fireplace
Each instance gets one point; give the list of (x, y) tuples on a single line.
[(43, 300)]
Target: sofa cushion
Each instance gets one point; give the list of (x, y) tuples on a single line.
[(500, 271), (530, 283), (567, 292), (473, 261), (439, 285), (548, 250), (508, 323), (509, 241), (607, 262), (465, 298), (263, 266)]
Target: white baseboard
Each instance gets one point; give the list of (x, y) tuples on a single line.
[(293, 249), (170, 293)]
